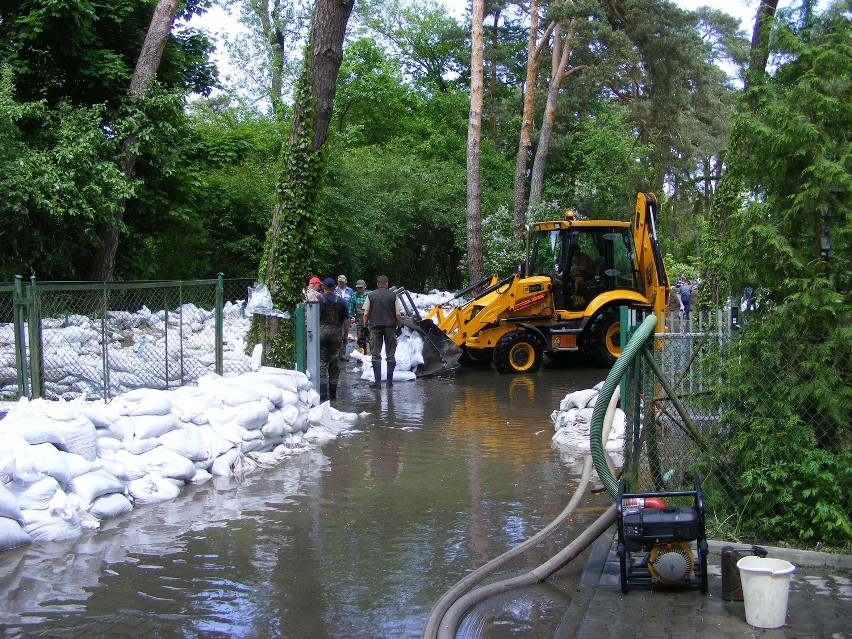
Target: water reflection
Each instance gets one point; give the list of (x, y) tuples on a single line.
[(358, 539)]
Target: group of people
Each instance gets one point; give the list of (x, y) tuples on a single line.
[(376, 315)]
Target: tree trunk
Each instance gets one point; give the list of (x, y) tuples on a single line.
[(492, 82), (534, 47), (147, 64), (474, 132), (759, 52), (293, 229), (561, 52)]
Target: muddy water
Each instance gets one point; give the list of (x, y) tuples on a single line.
[(357, 539)]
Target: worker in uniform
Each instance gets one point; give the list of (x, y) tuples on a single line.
[(356, 312), (383, 314), (334, 333)]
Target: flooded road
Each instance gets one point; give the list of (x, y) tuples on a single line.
[(357, 539)]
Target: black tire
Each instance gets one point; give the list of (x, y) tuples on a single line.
[(602, 339), (476, 357), (517, 352), (702, 563), (622, 565)]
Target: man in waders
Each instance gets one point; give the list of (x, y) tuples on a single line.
[(382, 313), (334, 332)]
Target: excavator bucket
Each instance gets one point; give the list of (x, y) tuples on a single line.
[(439, 352)]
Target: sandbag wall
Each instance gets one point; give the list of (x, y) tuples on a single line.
[(64, 466)]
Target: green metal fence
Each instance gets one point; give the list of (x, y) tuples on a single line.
[(702, 401), (100, 339)]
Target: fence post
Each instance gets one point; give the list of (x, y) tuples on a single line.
[(34, 333), (19, 320), (220, 296), (312, 344), (299, 318)]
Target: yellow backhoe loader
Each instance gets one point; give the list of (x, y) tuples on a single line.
[(565, 297)]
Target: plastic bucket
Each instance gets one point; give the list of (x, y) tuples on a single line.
[(766, 587)]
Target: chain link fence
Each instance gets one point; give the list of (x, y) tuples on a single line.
[(65, 339), (770, 446)]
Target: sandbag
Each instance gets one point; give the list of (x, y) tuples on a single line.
[(78, 436), (145, 426), (12, 534), (185, 441), (111, 505), (36, 494), (9, 508), (152, 489), (143, 401), (92, 485), (228, 463), (45, 525), (79, 465), (167, 463), (43, 459)]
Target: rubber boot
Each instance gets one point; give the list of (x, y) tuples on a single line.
[(390, 375), (377, 374), (332, 389), (322, 391)]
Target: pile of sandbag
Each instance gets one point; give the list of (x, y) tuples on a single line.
[(409, 355), (573, 420), (64, 466)]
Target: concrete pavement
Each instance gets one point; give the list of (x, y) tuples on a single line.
[(819, 605)]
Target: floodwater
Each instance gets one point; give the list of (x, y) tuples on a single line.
[(357, 539)]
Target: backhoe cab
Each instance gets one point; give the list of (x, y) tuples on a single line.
[(576, 276)]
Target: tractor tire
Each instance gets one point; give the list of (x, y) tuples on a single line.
[(517, 352), (602, 339), (476, 357)]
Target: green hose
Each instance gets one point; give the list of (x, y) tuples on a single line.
[(628, 354)]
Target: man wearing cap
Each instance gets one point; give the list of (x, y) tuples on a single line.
[(382, 313), (334, 333), (343, 291), (356, 312), (314, 290)]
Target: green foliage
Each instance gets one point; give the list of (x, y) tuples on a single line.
[(59, 180), (787, 390)]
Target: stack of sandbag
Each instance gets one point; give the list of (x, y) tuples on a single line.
[(572, 422), (64, 466), (409, 355)]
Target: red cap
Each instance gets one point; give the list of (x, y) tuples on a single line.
[(314, 280)]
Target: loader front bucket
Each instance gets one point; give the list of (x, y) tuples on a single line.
[(439, 352)]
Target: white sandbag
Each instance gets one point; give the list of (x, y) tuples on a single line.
[(99, 414), (79, 465), (121, 429), (110, 506), (34, 429), (251, 446), (78, 436), (276, 424), (578, 399), (36, 494), (12, 448), (228, 463), (185, 441), (108, 445), (281, 380), (214, 444), (152, 489), (9, 508), (92, 485), (251, 415), (45, 525), (167, 463), (201, 476), (12, 534), (137, 446), (154, 425), (268, 391), (146, 402), (289, 398), (43, 459), (124, 465), (237, 395), (192, 407)]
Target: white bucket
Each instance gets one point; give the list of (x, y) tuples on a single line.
[(766, 587)]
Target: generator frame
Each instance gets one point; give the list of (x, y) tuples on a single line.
[(635, 571)]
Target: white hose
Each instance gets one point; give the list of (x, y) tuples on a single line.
[(446, 615)]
